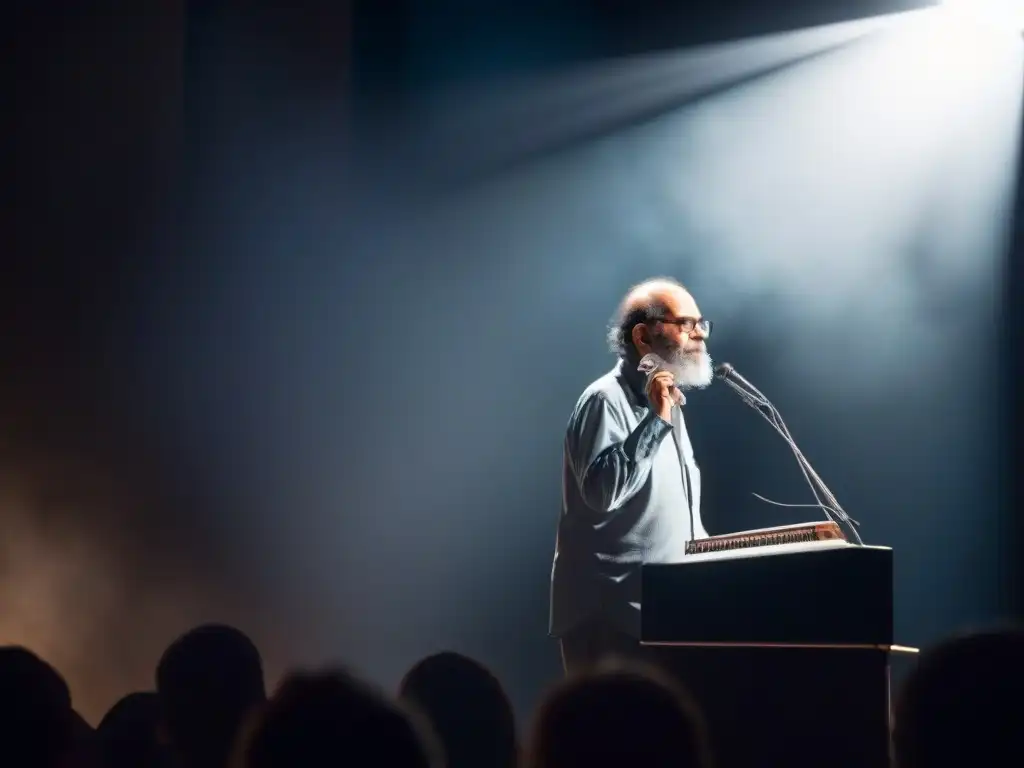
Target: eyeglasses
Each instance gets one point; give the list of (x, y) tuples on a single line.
[(687, 324)]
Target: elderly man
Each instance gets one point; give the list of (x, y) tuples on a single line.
[(631, 487)]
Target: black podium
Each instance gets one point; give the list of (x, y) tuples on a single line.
[(787, 649)]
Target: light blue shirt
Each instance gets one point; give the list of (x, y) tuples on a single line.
[(630, 495)]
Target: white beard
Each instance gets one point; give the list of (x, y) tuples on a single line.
[(692, 370)]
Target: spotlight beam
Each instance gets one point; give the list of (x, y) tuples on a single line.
[(534, 149), (468, 136)]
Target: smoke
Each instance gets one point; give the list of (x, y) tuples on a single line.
[(67, 594), (862, 196), (94, 602)]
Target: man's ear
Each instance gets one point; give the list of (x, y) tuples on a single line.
[(641, 336)]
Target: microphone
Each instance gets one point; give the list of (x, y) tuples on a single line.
[(726, 372), (752, 396), (650, 364)]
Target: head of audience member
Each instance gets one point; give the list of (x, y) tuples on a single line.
[(619, 715), (127, 735), (330, 719), (207, 681), (468, 709), (963, 704), (37, 724)]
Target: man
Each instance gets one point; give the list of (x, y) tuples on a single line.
[(630, 485)]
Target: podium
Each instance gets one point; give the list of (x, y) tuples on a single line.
[(786, 647)]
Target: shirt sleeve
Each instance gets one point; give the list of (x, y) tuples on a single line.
[(610, 463)]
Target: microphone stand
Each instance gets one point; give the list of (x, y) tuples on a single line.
[(826, 500)]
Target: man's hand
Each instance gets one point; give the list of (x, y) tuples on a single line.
[(661, 392)]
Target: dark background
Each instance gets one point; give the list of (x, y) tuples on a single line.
[(157, 468)]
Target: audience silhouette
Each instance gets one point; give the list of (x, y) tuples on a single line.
[(334, 719), (467, 708), (964, 704), (618, 715), (37, 724), (85, 751), (208, 680), (127, 734)]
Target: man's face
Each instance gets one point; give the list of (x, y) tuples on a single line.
[(685, 353)]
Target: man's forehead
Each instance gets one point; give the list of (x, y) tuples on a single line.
[(680, 303)]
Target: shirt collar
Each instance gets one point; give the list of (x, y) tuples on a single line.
[(635, 382)]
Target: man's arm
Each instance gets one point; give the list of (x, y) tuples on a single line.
[(610, 463)]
